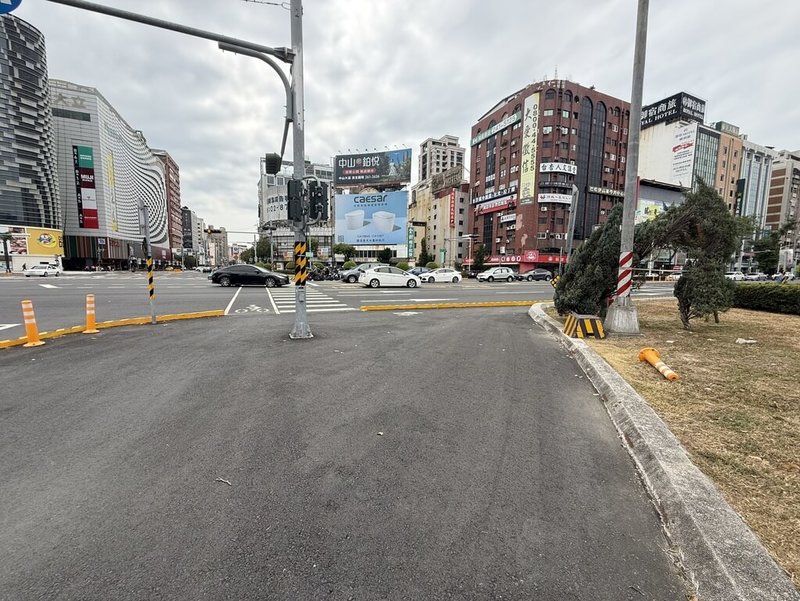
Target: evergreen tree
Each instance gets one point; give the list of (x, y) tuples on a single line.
[(385, 256), (480, 257), (424, 257)]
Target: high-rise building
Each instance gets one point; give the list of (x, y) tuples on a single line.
[(172, 176), (106, 172), (755, 176), (29, 190), (529, 153), (437, 156), (783, 206)]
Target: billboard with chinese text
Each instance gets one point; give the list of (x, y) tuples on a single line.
[(530, 136), (392, 167)]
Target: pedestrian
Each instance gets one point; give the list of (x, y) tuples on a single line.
[(24, 266)]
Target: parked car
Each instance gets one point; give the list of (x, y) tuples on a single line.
[(43, 271), (674, 276), (351, 275), (736, 276), (539, 273), (418, 271), (497, 273), (388, 276), (443, 274), (241, 275), (469, 273), (755, 277)]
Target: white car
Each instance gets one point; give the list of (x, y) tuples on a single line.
[(497, 273), (42, 271), (387, 276), (736, 276), (443, 274)]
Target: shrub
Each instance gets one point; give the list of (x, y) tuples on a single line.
[(348, 265), (402, 265), (773, 298), (289, 266), (319, 265), (432, 265)]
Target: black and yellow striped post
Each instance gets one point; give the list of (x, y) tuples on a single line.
[(151, 288), (300, 264), (584, 326)]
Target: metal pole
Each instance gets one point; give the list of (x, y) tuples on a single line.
[(573, 209), (5, 253), (622, 317), (148, 251), (301, 327)]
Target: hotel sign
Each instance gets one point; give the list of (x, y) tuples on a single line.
[(679, 106), (496, 128), (558, 168)]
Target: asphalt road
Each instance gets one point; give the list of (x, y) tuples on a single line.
[(60, 302), (392, 456)]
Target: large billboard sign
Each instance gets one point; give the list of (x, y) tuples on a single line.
[(377, 218), (681, 106), (373, 168), (85, 192), (530, 133), (447, 179)]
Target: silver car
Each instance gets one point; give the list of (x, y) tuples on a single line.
[(497, 273)]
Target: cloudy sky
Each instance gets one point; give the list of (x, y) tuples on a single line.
[(391, 73)]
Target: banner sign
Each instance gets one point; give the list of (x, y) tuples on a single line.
[(510, 120), (492, 195), (374, 218), (447, 179), (558, 168), (410, 249), (606, 191), (560, 198), (530, 132), (452, 207), (507, 218), (374, 168), (83, 164), (493, 206), (679, 106)]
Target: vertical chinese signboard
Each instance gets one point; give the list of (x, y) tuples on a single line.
[(452, 207), (530, 137), (83, 163)]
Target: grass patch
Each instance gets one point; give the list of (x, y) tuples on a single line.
[(736, 408)]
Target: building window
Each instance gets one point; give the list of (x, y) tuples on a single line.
[(548, 113), (565, 114), (541, 235), (547, 129)]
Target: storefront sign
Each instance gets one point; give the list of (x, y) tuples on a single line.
[(492, 195), (492, 206), (452, 207), (559, 198), (510, 120), (606, 191), (558, 168), (507, 218)]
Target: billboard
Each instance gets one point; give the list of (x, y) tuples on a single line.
[(374, 218), (530, 132), (85, 192), (392, 167), (680, 106)]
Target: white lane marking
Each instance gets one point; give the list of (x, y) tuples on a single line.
[(5, 326), (272, 302), (407, 313), (230, 304), (310, 310), (430, 300), (48, 286)]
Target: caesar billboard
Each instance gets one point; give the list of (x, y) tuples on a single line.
[(375, 218), (392, 167)]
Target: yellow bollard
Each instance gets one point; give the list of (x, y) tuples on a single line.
[(653, 358), (91, 327), (31, 331)]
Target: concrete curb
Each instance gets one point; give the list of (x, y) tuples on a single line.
[(406, 307), (722, 557), (114, 323)]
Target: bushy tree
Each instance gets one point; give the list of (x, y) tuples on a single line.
[(402, 265), (348, 250), (263, 248), (432, 265), (424, 257), (591, 275), (348, 265), (385, 255), (703, 290), (480, 258)]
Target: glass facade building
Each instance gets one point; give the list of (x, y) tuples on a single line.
[(29, 190)]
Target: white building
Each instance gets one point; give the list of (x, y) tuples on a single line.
[(437, 156)]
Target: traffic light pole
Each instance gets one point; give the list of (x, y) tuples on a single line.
[(301, 328), (148, 253)]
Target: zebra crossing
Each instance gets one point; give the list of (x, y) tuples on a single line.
[(283, 301)]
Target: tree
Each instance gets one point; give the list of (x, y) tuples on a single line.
[(709, 240), (313, 245), (480, 256), (263, 248), (246, 256), (348, 250), (189, 261), (767, 249), (424, 257), (385, 255)]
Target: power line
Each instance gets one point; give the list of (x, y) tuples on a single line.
[(281, 4)]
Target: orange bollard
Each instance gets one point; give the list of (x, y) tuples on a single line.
[(31, 331), (653, 358), (91, 327)]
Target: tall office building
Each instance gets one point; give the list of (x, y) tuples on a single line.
[(783, 206), (437, 156), (172, 177), (106, 171), (29, 193), (528, 152), (755, 175)]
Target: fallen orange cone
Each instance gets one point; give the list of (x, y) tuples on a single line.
[(653, 358)]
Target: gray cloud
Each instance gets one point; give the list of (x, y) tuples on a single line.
[(384, 73)]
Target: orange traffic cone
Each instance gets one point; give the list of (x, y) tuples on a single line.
[(31, 330), (653, 358)]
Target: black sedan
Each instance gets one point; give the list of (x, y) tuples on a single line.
[(242, 275), (535, 274)]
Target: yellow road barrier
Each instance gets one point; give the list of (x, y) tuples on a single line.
[(90, 316), (31, 330), (653, 358), (584, 326)]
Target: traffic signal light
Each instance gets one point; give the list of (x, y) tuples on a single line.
[(213, 230), (318, 200), (294, 205), (272, 164)]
